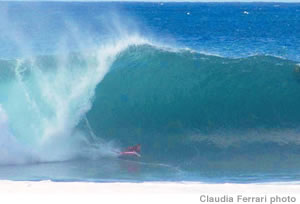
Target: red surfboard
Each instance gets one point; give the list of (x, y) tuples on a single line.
[(131, 152)]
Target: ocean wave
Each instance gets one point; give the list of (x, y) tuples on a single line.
[(216, 92), (163, 98), (177, 102)]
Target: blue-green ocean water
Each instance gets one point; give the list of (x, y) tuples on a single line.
[(210, 90)]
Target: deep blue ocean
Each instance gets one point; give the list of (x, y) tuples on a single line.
[(210, 90)]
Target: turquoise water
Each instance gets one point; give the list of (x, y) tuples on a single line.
[(212, 96)]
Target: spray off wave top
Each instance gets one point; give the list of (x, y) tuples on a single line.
[(46, 98)]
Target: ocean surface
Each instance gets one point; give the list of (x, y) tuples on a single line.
[(210, 90)]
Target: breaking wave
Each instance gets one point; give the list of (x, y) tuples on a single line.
[(179, 104)]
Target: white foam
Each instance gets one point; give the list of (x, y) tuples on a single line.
[(60, 99), (11, 151), (45, 107), (70, 106)]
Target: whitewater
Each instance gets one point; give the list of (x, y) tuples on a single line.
[(207, 103)]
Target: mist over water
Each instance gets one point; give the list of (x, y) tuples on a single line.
[(81, 81), (47, 95)]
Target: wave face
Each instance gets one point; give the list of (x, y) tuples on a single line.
[(181, 104), (184, 107)]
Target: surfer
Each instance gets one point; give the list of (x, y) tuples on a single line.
[(132, 151), (136, 148)]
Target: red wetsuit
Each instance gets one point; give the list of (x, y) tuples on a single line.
[(136, 148)]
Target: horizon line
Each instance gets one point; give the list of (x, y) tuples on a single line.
[(155, 1)]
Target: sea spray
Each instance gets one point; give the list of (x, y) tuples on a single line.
[(53, 94), (47, 90), (11, 151)]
